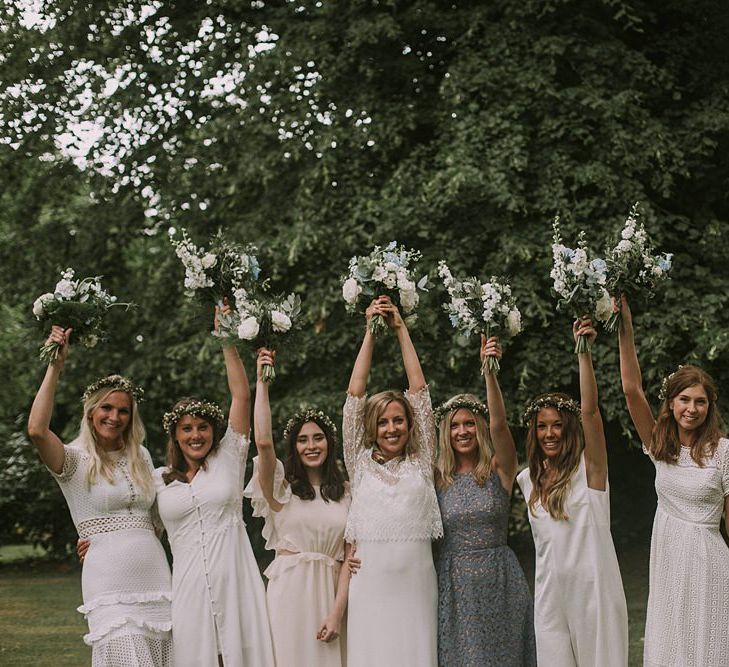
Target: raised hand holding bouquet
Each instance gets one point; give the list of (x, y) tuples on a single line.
[(387, 271), (579, 283), (481, 308), (78, 304), (228, 271), (632, 267), (264, 319)]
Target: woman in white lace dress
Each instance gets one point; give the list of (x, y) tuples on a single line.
[(218, 603), (687, 623), (304, 502), (106, 477), (389, 442)]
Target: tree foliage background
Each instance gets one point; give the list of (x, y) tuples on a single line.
[(317, 129)]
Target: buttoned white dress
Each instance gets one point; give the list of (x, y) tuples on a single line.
[(218, 601), (125, 580), (580, 615), (392, 618), (302, 583), (687, 623)]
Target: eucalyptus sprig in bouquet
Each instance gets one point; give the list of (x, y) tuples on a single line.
[(264, 319), (579, 282), (481, 308), (77, 303), (385, 271), (227, 271), (633, 268)]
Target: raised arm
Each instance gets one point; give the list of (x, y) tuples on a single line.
[(595, 446), (630, 375), (48, 444), (363, 362), (240, 392), (413, 370), (263, 431), (503, 441)]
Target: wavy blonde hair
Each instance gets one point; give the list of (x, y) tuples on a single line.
[(573, 442), (446, 461), (375, 406), (132, 439)]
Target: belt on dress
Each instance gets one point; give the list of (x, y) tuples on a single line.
[(110, 524), (714, 525), (283, 563)]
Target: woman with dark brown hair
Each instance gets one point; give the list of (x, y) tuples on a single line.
[(687, 620), (304, 502), (580, 615)]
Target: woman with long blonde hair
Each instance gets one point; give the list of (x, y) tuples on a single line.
[(687, 620), (106, 477), (580, 615), (485, 612)]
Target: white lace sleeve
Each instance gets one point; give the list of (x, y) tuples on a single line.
[(353, 430), (236, 445), (72, 457), (425, 434)]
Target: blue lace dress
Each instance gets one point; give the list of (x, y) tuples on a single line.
[(485, 609)]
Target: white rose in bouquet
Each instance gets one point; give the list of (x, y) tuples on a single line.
[(513, 322), (248, 328), (351, 290), (280, 322), (65, 289), (604, 307), (409, 299), (40, 302), (208, 260)]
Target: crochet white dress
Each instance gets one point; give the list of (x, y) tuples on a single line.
[(687, 624), (125, 580), (392, 615)]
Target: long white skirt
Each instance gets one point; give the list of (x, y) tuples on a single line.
[(393, 606)]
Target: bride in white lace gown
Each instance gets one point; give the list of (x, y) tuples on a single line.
[(687, 622), (389, 441)]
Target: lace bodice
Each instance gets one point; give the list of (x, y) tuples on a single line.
[(396, 500), (104, 507)]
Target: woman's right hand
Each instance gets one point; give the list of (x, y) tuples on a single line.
[(621, 305), (266, 357), (376, 308), (353, 563), (62, 337), (82, 548), (490, 347)]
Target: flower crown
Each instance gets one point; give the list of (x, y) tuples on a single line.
[(663, 393), (550, 401), (205, 409), (308, 415), (456, 404), (115, 382)]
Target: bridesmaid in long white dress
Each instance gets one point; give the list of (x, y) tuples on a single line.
[(580, 615), (106, 477), (389, 442), (218, 599), (687, 623), (304, 503)]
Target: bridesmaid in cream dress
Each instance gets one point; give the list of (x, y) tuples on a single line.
[(304, 503)]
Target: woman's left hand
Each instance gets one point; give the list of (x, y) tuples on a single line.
[(329, 630), (224, 310), (392, 314), (490, 347), (82, 548), (584, 327)]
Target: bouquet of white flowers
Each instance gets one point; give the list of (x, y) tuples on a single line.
[(80, 304), (263, 319), (481, 308), (385, 271), (633, 269), (579, 282), (227, 271)]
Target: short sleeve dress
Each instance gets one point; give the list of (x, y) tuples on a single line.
[(308, 536), (218, 603), (485, 610), (125, 580), (392, 612), (580, 615), (687, 623)]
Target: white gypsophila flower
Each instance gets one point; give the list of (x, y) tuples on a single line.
[(379, 274), (248, 328), (409, 299), (513, 322), (40, 303), (628, 232), (579, 262), (65, 289), (240, 295), (208, 260), (280, 322), (604, 307), (351, 290), (624, 246)]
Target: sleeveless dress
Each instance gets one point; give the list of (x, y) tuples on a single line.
[(580, 615), (392, 618), (485, 611), (218, 601), (125, 579), (301, 585), (687, 622)]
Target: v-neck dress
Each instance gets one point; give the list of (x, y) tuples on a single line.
[(218, 597)]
